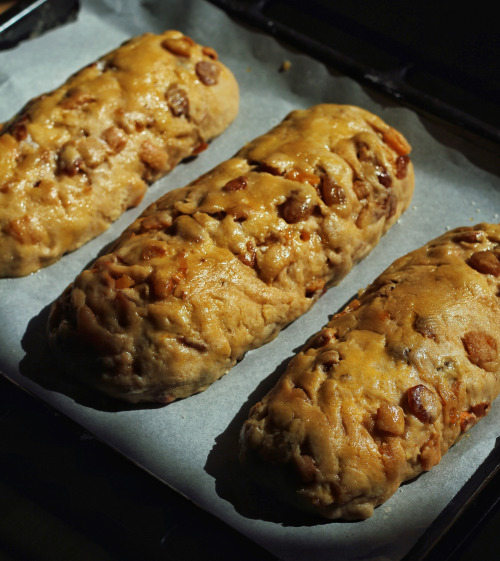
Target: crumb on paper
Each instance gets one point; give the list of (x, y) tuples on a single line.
[(285, 66)]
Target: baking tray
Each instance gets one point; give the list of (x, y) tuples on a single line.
[(191, 445), (430, 56), (27, 19)]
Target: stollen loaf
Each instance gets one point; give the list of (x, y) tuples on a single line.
[(74, 159), (389, 384), (219, 267)]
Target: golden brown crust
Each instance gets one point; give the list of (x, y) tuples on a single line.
[(382, 392), (73, 160), (217, 268)]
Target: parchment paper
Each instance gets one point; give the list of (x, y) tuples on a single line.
[(192, 444)]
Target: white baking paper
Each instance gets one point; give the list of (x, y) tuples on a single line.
[(192, 445)]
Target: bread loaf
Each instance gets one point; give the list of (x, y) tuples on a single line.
[(382, 392), (220, 266), (73, 160)]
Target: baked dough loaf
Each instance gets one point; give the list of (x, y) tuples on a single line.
[(73, 160), (217, 268), (382, 392)]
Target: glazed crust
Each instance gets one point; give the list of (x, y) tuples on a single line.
[(73, 160), (383, 391), (217, 268)]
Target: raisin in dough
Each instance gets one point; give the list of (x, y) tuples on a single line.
[(382, 392), (73, 160), (217, 268)]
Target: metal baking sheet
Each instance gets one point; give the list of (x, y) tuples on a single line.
[(192, 445), (380, 44), (25, 19)]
